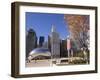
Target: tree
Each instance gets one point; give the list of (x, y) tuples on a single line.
[(78, 26)]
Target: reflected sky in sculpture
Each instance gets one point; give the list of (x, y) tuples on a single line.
[(39, 52), (42, 23)]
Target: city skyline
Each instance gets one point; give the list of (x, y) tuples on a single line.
[(42, 23), (48, 38)]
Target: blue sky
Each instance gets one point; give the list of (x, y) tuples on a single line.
[(42, 24)]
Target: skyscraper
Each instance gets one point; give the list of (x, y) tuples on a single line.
[(63, 48), (41, 41), (55, 43), (45, 44), (31, 41), (49, 43)]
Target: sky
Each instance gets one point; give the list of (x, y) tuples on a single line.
[(42, 23)]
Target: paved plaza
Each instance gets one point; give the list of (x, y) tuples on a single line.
[(51, 62), (38, 63)]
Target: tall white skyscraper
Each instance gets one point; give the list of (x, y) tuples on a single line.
[(55, 43)]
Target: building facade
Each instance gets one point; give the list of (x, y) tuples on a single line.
[(49, 43), (31, 41), (63, 48), (55, 43), (41, 41)]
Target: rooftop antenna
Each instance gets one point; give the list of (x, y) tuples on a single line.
[(53, 29)]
